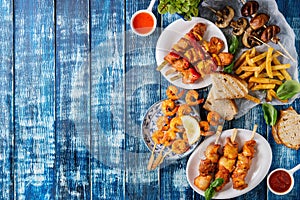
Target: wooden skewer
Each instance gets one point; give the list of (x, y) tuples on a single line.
[(212, 9), (269, 46), (151, 159), (253, 132), (284, 49), (218, 133), (163, 158), (158, 158), (174, 78), (170, 71), (159, 67), (233, 136)]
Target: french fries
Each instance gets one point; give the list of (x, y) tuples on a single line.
[(268, 62), (252, 98), (262, 71), (265, 80)]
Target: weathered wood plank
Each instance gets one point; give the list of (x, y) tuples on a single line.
[(107, 100), (6, 99), (34, 111), (283, 156), (76, 127), (143, 89), (72, 100)]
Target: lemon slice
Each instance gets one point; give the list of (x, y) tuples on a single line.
[(191, 127)]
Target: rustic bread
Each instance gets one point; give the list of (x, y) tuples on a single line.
[(225, 107), (228, 86), (286, 130)]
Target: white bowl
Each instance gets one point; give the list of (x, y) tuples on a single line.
[(289, 189), (152, 16)]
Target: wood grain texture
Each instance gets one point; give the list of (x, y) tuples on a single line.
[(282, 156), (6, 99), (34, 139), (72, 90), (143, 89), (75, 84), (108, 151)]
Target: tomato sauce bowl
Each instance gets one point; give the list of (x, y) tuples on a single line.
[(143, 22), (281, 181)]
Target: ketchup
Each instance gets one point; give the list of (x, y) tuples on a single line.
[(143, 23), (280, 181)]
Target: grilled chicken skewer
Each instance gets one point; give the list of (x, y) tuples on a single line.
[(243, 163), (226, 163), (208, 166), (194, 57)]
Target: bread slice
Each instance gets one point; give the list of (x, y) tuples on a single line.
[(227, 86), (225, 107), (286, 130)]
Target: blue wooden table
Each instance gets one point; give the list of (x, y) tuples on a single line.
[(75, 85)]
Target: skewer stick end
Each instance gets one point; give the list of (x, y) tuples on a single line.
[(233, 136), (254, 131), (162, 65), (259, 40), (218, 133), (151, 159), (158, 159), (166, 154), (212, 9), (289, 55), (174, 78)]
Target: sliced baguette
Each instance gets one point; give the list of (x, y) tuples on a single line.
[(227, 86), (225, 107), (286, 130)]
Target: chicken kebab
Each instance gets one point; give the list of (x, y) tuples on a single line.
[(243, 163), (194, 58), (229, 165), (208, 166), (226, 163)]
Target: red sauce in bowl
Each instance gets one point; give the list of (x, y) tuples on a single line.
[(143, 23), (280, 181)]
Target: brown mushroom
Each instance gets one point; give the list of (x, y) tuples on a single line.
[(224, 17), (239, 26), (249, 36), (259, 21), (249, 8), (270, 34)]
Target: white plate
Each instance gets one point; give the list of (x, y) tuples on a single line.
[(172, 34), (149, 126), (259, 168)]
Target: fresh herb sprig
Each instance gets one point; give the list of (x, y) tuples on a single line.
[(270, 113), (288, 89), (185, 8), (234, 44), (210, 191)]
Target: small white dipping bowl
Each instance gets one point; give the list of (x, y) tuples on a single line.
[(290, 173)]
